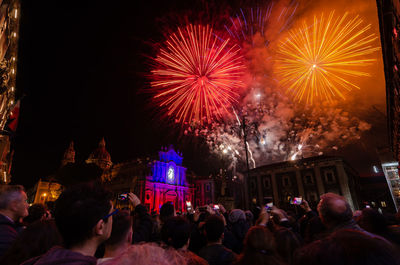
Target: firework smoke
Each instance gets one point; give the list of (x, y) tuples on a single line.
[(278, 128)]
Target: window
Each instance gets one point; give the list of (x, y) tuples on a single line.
[(266, 183), (252, 185), (329, 177), (208, 188), (308, 179), (312, 197), (286, 181)]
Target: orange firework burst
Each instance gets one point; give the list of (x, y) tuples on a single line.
[(197, 75), (317, 62)]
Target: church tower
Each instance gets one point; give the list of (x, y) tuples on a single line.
[(69, 155), (100, 156)]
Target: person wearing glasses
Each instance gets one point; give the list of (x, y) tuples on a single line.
[(83, 216)]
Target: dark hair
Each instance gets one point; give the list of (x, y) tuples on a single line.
[(78, 209), (175, 232), (259, 247), (9, 193), (36, 212), (334, 209), (122, 222), (34, 241), (348, 247), (166, 211), (286, 243), (372, 221), (214, 228)]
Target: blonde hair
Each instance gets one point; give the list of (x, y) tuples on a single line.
[(148, 254)]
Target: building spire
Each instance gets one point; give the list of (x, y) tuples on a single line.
[(102, 143), (69, 155), (100, 156)]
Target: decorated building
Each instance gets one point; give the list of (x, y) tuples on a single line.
[(9, 105), (155, 182)]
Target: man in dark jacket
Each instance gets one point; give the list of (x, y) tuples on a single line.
[(13, 207), (215, 253), (83, 215), (142, 224)]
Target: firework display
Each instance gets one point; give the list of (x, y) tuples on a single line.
[(318, 61), (198, 76), (251, 21), (235, 85)]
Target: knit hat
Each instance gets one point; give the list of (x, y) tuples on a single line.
[(249, 215), (236, 215)]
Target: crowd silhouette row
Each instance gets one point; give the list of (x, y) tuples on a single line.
[(82, 227)]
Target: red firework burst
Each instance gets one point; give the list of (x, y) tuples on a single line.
[(197, 75)]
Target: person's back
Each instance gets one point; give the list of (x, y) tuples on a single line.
[(374, 222), (259, 248), (148, 254), (175, 233), (237, 229), (286, 243), (36, 212), (214, 252), (348, 247), (41, 235)]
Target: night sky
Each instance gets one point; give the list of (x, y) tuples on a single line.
[(82, 69)]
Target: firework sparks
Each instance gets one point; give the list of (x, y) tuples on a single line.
[(249, 21), (198, 75), (317, 62)]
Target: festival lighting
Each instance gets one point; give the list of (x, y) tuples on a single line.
[(197, 75), (300, 146), (317, 62), (248, 22)]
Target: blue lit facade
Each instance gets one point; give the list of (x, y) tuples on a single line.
[(167, 182)]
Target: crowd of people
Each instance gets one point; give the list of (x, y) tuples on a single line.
[(84, 228)]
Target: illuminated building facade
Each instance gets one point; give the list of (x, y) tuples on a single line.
[(309, 178), (9, 29), (154, 182), (391, 172)]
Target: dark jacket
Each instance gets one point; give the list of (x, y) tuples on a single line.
[(8, 233), (217, 255), (143, 225), (234, 235), (61, 256)]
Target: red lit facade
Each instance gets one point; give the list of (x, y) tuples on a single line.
[(155, 182)]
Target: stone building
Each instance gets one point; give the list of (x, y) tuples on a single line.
[(10, 13), (308, 178), (155, 182)]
